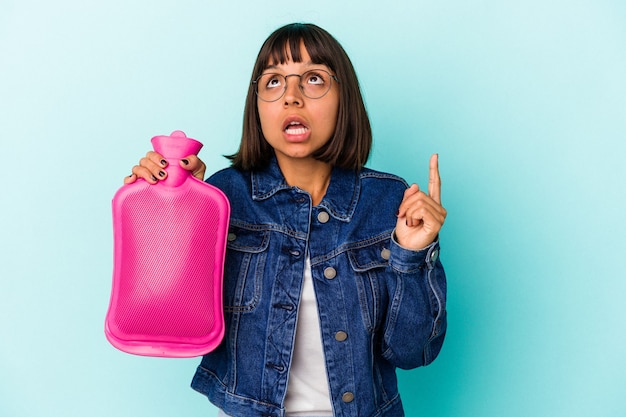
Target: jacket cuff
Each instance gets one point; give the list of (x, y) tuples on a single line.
[(408, 260)]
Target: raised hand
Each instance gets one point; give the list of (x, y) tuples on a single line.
[(151, 168), (421, 215)]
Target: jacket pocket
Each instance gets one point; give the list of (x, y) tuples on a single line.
[(246, 255), (368, 263)]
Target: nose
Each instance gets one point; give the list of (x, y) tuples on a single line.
[(293, 94)]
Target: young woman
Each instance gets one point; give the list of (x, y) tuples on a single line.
[(332, 275)]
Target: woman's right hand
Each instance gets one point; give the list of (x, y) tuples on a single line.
[(152, 168)]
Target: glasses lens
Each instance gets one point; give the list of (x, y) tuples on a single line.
[(315, 83), (270, 87)]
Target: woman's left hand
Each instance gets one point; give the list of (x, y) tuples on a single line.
[(421, 215)]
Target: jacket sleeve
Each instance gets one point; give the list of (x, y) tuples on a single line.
[(416, 317)]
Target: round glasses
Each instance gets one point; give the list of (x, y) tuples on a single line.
[(313, 84)]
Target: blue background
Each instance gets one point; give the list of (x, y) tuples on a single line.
[(524, 101)]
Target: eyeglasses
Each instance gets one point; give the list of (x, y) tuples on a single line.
[(313, 84)]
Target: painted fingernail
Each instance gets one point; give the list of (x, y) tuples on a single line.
[(161, 174), (163, 162), (185, 161), (153, 177)]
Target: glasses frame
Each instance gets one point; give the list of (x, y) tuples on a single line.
[(255, 83)]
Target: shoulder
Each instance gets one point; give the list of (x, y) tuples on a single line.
[(225, 175), (379, 179), (230, 180), (381, 189)]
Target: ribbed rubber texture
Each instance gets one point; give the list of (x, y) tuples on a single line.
[(171, 288)]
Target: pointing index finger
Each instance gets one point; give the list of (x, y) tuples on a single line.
[(434, 181)]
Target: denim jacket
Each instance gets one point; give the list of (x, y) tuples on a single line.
[(380, 306)]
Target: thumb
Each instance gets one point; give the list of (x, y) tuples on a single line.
[(195, 165)]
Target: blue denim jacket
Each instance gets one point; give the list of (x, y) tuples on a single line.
[(380, 306)]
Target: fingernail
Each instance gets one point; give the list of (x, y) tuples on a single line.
[(153, 177), (161, 174), (163, 162), (185, 161), (397, 213)]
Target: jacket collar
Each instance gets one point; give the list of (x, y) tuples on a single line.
[(341, 197)]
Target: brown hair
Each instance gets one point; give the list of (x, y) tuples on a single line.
[(351, 144)]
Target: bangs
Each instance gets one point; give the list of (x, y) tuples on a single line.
[(285, 46)]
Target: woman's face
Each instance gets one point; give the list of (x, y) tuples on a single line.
[(296, 126)]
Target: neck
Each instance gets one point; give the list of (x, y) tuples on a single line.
[(309, 175)]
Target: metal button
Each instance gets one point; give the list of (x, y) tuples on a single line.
[(347, 397), (231, 237), (434, 255), (385, 254), (341, 336), (330, 272), (323, 217)]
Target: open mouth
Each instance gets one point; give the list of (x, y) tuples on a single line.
[(295, 127)]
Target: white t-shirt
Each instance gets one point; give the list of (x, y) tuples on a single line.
[(307, 389)]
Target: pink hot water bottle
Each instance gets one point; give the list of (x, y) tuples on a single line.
[(169, 248)]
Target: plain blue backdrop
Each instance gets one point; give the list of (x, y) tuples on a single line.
[(524, 101)]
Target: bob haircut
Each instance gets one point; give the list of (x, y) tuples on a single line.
[(351, 143)]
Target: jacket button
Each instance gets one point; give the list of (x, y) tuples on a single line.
[(434, 255), (385, 254), (330, 273), (347, 397), (341, 336), (231, 237), (323, 217)]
